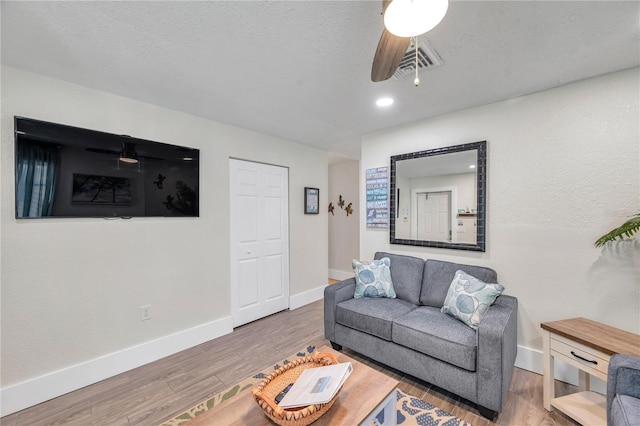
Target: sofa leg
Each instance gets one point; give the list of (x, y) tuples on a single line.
[(336, 346), (487, 413)]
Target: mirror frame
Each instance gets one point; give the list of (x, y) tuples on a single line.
[(481, 190)]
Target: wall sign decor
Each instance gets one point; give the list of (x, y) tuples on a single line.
[(311, 200), (377, 181)]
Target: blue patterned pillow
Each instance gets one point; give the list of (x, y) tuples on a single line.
[(469, 298), (373, 279)]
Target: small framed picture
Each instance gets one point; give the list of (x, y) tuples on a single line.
[(311, 200)]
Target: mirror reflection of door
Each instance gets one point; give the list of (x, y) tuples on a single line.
[(450, 174), (434, 216)]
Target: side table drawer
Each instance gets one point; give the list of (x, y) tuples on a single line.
[(591, 361)]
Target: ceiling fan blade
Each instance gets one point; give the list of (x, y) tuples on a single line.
[(103, 151), (391, 49)]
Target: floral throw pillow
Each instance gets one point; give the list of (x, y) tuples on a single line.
[(469, 298), (373, 279)]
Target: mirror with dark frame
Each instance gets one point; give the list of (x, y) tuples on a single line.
[(438, 197)]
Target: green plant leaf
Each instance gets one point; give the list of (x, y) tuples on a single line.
[(627, 229)]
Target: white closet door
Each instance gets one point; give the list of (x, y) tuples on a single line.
[(259, 220), (434, 216)]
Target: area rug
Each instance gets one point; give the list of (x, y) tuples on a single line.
[(410, 410)]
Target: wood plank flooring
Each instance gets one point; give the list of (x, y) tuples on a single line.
[(158, 391)]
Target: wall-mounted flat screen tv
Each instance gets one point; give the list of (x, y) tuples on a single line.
[(65, 171)]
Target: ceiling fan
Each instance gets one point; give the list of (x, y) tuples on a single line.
[(404, 20), (127, 154)]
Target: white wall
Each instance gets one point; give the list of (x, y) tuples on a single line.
[(344, 232), (563, 169), (72, 288)]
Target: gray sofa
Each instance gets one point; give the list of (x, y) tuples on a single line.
[(411, 334), (623, 391)]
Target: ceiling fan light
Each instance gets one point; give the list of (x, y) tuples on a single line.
[(411, 18), (128, 153)]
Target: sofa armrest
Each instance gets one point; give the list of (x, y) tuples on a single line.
[(334, 294), (623, 378), (497, 349)]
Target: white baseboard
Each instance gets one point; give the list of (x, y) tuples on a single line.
[(340, 275), (531, 360), (34, 391), (298, 300)]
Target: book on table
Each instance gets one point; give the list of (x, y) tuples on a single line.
[(317, 385)]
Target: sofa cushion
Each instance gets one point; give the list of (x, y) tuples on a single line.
[(372, 315), (625, 410), (440, 336), (373, 279), (469, 298), (406, 274), (438, 276)]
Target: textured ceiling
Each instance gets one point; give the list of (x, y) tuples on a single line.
[(300, 70)]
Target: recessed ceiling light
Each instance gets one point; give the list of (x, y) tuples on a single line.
[(473, 166), (384, 102)]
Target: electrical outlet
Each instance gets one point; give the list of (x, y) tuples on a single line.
[(145, 312)]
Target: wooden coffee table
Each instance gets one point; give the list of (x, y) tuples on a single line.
[(364, 395)]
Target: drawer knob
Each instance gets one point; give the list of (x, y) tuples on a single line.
[(584, 359)]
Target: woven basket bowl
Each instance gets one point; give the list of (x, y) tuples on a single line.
[(266, 391)]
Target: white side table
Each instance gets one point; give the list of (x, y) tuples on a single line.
[(588, 346)]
